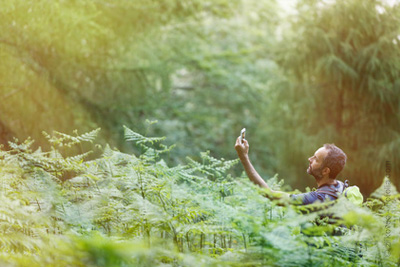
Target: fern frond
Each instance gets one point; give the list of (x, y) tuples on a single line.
[(90, 136), (24, 147), (62, 139), (78, 158), (140, 139)]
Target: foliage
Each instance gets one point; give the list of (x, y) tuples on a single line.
[(88, 64), (205, 69), (340, 84), (126, 210)]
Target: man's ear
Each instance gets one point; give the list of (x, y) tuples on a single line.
[(326, 171)]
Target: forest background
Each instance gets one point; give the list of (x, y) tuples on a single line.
[(322, 72), (118, 121)]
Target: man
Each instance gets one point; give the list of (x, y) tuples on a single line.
[(326, 163)]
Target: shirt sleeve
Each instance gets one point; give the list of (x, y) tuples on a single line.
[(306, 198)]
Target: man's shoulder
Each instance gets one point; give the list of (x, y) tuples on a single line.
[(311, 197), (323, 193), (333, 189)]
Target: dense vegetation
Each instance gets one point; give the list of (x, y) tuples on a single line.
[(328, 72), (127, 210), (323, 72)]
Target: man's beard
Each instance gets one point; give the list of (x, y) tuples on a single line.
[(317, 173)]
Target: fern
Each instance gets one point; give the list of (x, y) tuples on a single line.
[(61, 139), (140, 139), (193, 211)]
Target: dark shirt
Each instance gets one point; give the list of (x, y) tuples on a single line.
[(311, 197)]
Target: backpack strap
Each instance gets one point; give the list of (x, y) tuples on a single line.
[(345, 186)]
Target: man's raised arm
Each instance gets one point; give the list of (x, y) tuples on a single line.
[(242, 150)]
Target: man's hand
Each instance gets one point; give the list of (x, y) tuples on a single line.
[(242, 149)]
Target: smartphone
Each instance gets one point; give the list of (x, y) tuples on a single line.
[(242, 134)]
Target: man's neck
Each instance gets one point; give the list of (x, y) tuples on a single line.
[(326, 181)]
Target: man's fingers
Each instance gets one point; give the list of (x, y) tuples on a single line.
[(238, 141)]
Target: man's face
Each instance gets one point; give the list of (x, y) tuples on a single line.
[(315, 167)]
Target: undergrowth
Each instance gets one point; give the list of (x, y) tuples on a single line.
[(134, 210)]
